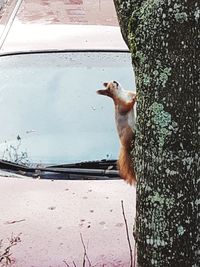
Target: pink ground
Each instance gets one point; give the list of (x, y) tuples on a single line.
[(51, 216)]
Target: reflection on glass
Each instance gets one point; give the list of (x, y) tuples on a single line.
[(49, 109)]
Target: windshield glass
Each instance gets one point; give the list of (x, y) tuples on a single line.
[(50, 112)]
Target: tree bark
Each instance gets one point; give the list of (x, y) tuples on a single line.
[(163, 37)]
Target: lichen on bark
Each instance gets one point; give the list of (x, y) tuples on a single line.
[(163, 37)]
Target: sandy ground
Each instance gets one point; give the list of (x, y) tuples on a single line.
[(5, 13), (93, 12), (37, 20), (68, 12), (51, 215)]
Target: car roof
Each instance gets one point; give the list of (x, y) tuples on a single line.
[(69, 25)]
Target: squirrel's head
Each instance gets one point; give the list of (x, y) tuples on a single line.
[(112, 89)]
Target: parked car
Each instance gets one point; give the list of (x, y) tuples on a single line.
[(59, 184)]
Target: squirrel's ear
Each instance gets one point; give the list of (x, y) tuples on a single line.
[(105, 84)]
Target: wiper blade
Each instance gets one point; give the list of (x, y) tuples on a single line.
[(64, 169), (7, 165), (96, 164)]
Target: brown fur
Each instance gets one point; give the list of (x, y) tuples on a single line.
[(124, 102), (125, 163), (125, 166)]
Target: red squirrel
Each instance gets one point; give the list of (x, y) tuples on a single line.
[(125, 120)]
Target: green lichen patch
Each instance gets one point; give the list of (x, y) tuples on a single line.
[(181, 17), (164, 75), (146, 79), (124, 4), (180, 230), (161, 74), (132, 42), (161, 123), (160, 200), (197, 14), (141, 57)]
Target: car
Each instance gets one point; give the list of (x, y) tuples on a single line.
[(60, 191)]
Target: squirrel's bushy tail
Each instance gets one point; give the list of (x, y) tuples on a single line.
[(126, 166)]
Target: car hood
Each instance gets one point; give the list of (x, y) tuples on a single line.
[(36, 37)]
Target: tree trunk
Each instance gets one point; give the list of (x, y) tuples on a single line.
[(163, 37)]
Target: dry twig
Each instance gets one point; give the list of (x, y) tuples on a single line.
[(85, 253), (65, 262), (5, 255), (134, 255), (127, 234), (12, 222)]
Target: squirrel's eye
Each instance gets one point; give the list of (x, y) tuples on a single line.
[(116, 83)]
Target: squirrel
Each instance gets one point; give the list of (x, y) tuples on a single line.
[(125, 121)]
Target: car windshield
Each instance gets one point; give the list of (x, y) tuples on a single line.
[(49, 110)]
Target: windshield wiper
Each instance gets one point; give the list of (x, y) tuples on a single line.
[(101, 168), (96, 164)]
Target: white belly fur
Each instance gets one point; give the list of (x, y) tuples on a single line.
[(122, 121), (131, 119)]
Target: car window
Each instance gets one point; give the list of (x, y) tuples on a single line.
[(49, 110)]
